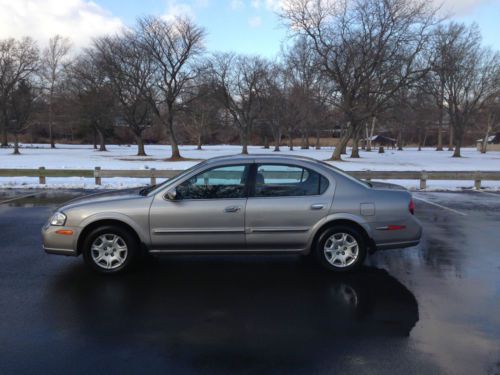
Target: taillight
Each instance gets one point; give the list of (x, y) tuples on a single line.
[(411, 207)]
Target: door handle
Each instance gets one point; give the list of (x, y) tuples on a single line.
[(317, 206), (232, 209)]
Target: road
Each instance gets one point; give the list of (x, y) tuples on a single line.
[(431, 309)]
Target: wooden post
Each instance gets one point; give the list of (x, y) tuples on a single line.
[(41, 177), (477, 181), (423, 180), (153, 177), (97, 175)]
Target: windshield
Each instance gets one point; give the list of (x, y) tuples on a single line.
[(155, 188), (345, 174)]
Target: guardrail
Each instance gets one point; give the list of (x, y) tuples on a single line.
[(97, 173)]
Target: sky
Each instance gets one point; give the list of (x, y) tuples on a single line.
[(245, 26)]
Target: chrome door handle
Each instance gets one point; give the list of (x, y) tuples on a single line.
[(232, 209), (317, 206)]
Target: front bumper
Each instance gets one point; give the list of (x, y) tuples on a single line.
[(61, 244)]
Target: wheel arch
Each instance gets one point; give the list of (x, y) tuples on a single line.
[(89, 227), (361, 226)]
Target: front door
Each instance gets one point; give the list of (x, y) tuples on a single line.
[(286, 203), (208, 212)]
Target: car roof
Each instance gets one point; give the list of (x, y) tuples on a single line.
[(267, 157)]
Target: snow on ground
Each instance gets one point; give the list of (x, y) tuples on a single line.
[(123, 157)]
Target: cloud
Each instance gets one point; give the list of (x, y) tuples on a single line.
[(237, 4), (460, 7), (177, 9), (80, 20), (254, 22)]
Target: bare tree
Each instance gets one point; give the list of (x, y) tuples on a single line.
[(471, 77), (368, 49), (95, 100), (52, 64), (20, 108), (240, 85), (172, 45), (18, 60), (130, 72)]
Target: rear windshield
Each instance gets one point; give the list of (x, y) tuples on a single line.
[(345, 174)]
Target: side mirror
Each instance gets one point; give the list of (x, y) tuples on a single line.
[(171, 195)]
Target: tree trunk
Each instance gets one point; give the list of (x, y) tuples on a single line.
[(277, 139), (450, 140), (5, 121), (51, 135), (95, 138), (176, 155), (318, 145), (458, 142), (372, 130), (244, 140), (355, 145), (102, 143), (16, 145), (140, 145), (198, 146), (266, 142), (400, 140), (440, 120), (290, 141), (342, 144), (484, 146), (381, 150)]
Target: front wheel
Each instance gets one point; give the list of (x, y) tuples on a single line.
[(109, 249), (341, 248)]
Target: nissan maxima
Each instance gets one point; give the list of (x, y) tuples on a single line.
[(258, 204)]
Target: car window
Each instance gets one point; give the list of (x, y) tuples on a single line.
[(216, 183), (287, 180)]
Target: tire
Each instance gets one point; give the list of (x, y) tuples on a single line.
[(110, 249), (341, 248)]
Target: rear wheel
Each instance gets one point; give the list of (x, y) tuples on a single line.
[(341, 248), (110, 249)]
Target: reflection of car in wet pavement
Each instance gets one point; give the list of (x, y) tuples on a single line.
[(202, 308), (239, 204)]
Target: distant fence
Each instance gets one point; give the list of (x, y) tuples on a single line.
[(98, 174)]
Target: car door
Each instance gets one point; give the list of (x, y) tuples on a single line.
[(284, 204), (208, 212)]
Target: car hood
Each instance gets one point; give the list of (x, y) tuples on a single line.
[(386, 185), (101, 197)]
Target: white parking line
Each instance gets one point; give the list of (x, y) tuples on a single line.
[(16, 198), (441, 206)]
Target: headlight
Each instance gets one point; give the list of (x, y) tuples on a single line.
[(58, 219)]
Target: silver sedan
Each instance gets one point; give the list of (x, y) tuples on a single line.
[(239, 204)]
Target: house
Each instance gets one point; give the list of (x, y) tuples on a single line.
[(382, 140), (492, 140)]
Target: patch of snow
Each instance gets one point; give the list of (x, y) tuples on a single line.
[(123, 157)]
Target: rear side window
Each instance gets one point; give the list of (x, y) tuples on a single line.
[(277, 180)]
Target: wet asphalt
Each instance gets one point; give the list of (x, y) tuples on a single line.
[(431, 309)]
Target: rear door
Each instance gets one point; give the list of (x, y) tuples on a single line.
[(287, 200)]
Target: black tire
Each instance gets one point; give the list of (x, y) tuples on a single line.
[(339, 229), (132, 248)]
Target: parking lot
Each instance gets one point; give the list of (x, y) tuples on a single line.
[(430, 309)]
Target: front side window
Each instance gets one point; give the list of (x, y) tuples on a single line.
[(287, 180), (217, 183)]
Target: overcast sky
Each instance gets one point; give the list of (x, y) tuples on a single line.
[(248, 26)]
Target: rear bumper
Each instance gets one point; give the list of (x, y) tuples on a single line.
[(413, 240), (397, 245)]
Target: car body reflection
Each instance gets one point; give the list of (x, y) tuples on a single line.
[(204, 310)]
